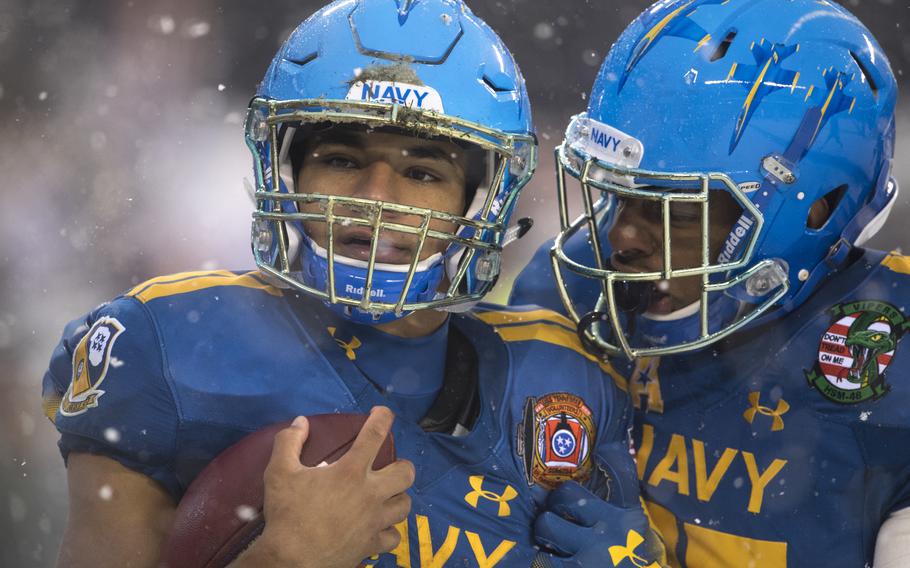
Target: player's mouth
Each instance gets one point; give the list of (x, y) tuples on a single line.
[(655, 296), (357, 244), (661, 303)]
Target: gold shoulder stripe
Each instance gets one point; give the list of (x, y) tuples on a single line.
[(530, 316), (897, 262), (557, 335), (180, 276), (173, 286), (50, 404)]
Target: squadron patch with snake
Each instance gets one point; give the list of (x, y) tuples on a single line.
[(856, 350)]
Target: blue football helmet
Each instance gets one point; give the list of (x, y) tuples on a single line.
[(777, 103), (448, 77)]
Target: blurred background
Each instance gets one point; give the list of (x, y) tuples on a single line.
[(122, 158)]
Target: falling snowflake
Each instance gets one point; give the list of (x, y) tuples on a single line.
[(112, 435), (196, 29), (164, 25), (245, 513), (543, 31)]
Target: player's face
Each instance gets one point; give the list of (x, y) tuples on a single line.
[(388, 167), (638, 244)]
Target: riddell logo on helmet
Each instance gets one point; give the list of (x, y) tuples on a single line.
[(358, 291), (414, 96), (740, 230)]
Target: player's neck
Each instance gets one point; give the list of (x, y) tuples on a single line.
[(418, 324)]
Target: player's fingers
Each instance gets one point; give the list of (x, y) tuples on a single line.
[(288, 445), (573, 502), (371, 436), (387, 539), (544, 559), (395, 510), (559, 535), (397, 477), (579, 506), (623, 490)]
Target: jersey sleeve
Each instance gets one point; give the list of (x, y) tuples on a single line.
[(887, 457), (615, 478), (881, 425), (106, 392)]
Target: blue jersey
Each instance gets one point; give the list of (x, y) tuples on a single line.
[(786, 445), (165, 377)]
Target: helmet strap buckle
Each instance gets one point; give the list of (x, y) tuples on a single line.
[(838, 254)]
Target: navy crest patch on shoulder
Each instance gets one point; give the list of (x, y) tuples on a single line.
[(555, 439), (856, 350), (91, 360)]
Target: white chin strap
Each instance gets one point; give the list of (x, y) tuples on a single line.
[(877, 222), (422, 266), (677, 315)]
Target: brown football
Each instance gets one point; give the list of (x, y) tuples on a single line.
[(221, 512)]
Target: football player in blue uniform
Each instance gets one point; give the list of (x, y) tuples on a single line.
[(733, 159), (390, 142)]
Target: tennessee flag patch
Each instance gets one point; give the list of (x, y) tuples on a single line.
[(91, 360), (555, 439)]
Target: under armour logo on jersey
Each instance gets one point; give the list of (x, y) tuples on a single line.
[(777, 423), (474, 496), (618, 553), (349, 345)]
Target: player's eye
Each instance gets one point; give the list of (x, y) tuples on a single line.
[(685, 213), (422, 175), (340, 162), (649, 210)]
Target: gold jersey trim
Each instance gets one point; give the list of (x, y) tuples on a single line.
[(496, 318), (186, 282), (556, 335), (897, 263), (50, 404)]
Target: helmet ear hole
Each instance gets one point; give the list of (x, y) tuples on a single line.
[(823, 208), (870, 80), (724, 46)]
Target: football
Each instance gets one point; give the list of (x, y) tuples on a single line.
[(221, 512)]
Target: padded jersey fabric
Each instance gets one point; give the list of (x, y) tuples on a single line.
[(179, 368), (415, 378), (743, 458)]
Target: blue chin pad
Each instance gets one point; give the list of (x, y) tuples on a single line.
[(351, 278), (657, 333)]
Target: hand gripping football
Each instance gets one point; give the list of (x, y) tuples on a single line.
[(221, 512)]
